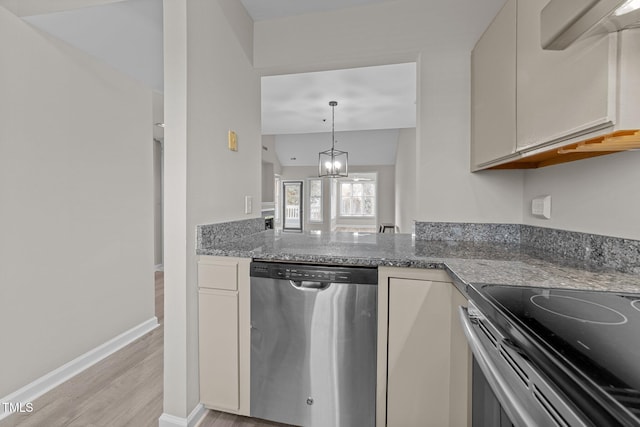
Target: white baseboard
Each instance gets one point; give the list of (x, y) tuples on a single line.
[(37, 388), (194, 418)]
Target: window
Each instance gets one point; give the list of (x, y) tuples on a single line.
[(315, 200), (357, 198)]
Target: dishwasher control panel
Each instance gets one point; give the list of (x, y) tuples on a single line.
[(321, 276), (317, 273)]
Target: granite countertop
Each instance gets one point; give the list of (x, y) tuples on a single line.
[(469, 263)]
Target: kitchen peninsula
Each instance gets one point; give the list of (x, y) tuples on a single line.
[(423, 280)]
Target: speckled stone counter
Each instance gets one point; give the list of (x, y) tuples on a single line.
[(469, 263)]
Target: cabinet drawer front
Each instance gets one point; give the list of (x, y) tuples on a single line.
[(218, 275)]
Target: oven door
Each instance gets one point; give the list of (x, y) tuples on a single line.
[(486, 408), (524, 396)]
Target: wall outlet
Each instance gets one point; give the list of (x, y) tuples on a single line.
[(541, 207), (248, 204)]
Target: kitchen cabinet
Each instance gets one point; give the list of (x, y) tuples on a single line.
[(561, 94), (493, 90), (224, 333), (533, 107), (424, 363)]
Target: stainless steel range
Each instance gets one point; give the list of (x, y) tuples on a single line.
[(559, 357)]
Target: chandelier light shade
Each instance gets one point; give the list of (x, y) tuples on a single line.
[(333, 163)]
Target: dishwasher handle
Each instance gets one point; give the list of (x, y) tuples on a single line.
[(309, 285)]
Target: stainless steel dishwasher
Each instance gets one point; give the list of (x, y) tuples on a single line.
[(313, 344)]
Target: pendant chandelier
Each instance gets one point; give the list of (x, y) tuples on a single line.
[(333, 163)]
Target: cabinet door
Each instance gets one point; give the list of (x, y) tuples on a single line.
[(418, 353), (218, 337), (561, 93), (493, 90)]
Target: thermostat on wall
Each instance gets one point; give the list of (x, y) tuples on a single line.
[(541, 207)]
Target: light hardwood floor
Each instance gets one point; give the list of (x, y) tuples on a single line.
[(125, 389)]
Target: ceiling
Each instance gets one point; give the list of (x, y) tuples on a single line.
[(125, 34), (271, 9), (382, 97)]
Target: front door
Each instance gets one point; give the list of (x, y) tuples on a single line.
[(292, 205)]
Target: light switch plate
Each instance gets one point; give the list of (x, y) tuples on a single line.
[(248, 204), (541, 207)]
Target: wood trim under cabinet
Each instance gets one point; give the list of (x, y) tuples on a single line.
[(610, 143)]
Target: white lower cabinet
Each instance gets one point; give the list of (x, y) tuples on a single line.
[(219, 378), (224, 333), (424, 363)]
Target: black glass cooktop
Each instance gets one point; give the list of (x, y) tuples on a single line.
[(588, 341)]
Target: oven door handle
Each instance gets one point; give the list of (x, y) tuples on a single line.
[(512, 406)]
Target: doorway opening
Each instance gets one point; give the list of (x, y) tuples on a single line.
[(376, 111)]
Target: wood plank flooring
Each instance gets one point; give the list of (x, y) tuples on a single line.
[(125, 389)]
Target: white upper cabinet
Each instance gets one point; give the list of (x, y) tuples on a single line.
[(493, 90), (531, 106), (561, 94)]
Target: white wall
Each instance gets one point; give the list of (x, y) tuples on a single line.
[(270, 166), (269, 155), (176, 321), (420, 31), (158, 137), (405, 180), (206, 45), (446, 190), (76, 197), (599, 195), (370, 35), (267, 182)]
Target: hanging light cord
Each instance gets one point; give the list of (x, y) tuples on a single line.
[(330, 163), (333, 132)]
